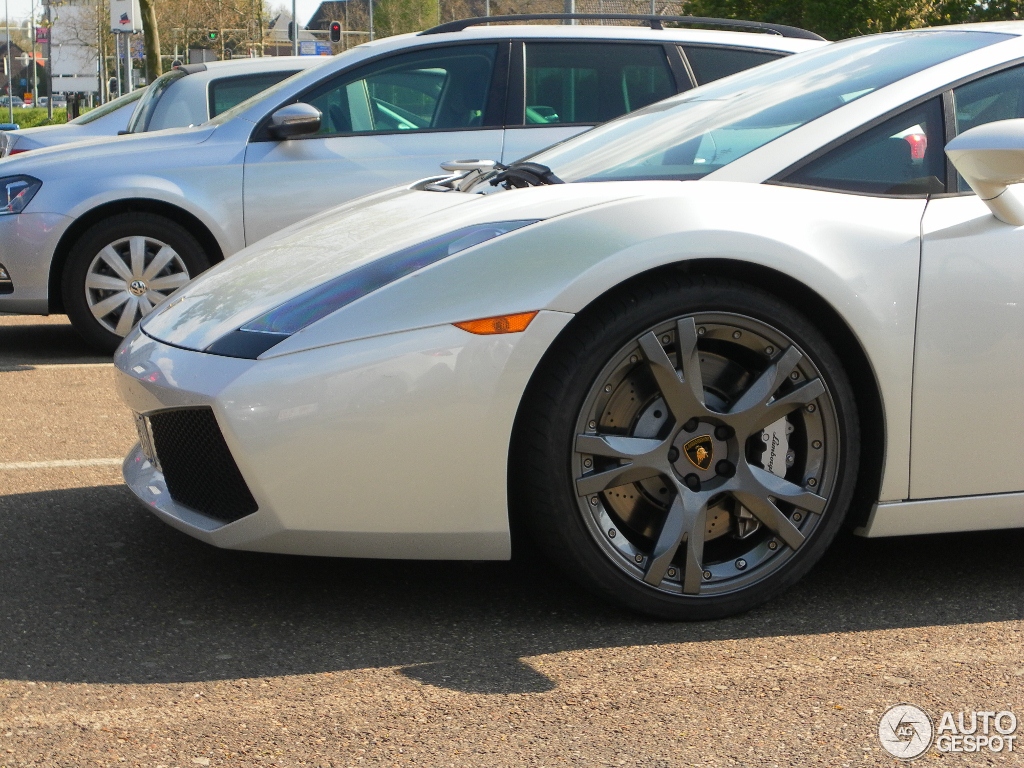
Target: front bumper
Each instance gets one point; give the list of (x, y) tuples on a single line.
[(27, 244), (388, 447)]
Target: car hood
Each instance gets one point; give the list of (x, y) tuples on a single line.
[(331, 243), (101, 150)]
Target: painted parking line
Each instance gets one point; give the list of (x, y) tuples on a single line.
[(61, 464), (29, 365)]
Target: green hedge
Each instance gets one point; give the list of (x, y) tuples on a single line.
[(30, 118)]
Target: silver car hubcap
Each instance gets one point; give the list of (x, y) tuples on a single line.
[(705, 454), (128, 278)]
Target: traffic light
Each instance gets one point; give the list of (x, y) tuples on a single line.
[(335, 31), (291, 31), (212, 35)]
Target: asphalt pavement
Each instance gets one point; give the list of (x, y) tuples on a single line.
[(124, 642)]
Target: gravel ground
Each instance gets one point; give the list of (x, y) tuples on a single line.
[(123, 642)]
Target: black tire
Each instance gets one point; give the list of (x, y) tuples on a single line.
[(546, 463), (117, 229)]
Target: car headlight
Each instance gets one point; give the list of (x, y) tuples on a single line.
[(18, 192), (272, 327)]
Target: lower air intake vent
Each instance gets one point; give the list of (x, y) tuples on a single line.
[(198, 467)]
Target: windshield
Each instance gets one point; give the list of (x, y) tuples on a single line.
[(110, 106), (692, 135), (144, 112), (242, 106)]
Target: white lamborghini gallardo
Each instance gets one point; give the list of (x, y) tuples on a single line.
[(684, 347)]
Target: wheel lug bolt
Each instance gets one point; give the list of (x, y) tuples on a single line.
[(593, 501), (707, 575), (633, 358), (736, 334), (812, 482), (607, 387), (639, 558), (797, 516), (811, 408), (692, 482), (701, 331), (588, 462), (769, 350), (725, 468), (592, 425), (673, 454), (741, 564), (611, 533), (816, 444), (691, 425), (666, 339), (723, 432), (773, 545), (795, 375), (671, 573)]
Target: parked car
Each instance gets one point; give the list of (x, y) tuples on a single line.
[(188, 95), (14, 101), (383, 113), (106, 120), (685, 348)]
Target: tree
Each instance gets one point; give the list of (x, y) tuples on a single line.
[(151, 38)]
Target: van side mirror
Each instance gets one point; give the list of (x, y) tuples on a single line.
[(295, 120), (991, 158)]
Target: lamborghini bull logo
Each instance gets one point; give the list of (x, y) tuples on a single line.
[(700, 451)]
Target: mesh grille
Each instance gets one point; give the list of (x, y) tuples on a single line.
[(198, 467)]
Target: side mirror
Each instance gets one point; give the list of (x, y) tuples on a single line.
[(295, 120), (991, 158)]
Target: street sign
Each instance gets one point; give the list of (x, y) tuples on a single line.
[(314, 48), (42, 34), (125, 16)]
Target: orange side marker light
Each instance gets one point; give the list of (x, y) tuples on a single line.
[(502, 324)]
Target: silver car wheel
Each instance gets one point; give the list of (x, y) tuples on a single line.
[(705, 454), (128, 278)]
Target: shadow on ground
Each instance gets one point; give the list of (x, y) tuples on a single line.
[(43, 344), (94, 589)]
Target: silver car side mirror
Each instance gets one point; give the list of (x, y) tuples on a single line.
[(991, 158), (295, 120)]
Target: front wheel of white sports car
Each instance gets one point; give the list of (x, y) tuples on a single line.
[(688, 447)]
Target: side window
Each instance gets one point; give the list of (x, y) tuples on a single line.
[(710, 63), (231, 91), (995, 97), (592, 82), (902, 156), (439, 88)]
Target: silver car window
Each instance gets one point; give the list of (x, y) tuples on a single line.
[(696, 133)]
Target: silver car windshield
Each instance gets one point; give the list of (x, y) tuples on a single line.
[(692, 135), (111, 106)]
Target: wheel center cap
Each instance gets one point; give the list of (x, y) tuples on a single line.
[(700, 451), (138, 287)]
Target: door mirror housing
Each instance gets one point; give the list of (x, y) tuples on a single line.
[(294, 120), (991, 159)]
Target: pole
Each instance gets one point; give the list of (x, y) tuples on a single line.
[(295, 26), (128, 62), (371, 19), (117, 62), (10, 67), (32, 37), (49, 62)]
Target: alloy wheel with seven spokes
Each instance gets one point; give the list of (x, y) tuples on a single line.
[(672, 471), (128, 278)]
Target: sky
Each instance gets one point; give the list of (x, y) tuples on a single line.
[(22, 9)]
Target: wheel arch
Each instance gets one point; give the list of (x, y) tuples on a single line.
[(828, 320), (95, 215)]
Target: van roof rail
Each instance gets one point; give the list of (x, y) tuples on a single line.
[(655, 22)]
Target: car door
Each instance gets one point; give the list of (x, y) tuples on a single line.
[(969, 361), (560, 89), (390, 121)]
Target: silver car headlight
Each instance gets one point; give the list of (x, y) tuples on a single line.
[(272, 327), (18, 192)]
